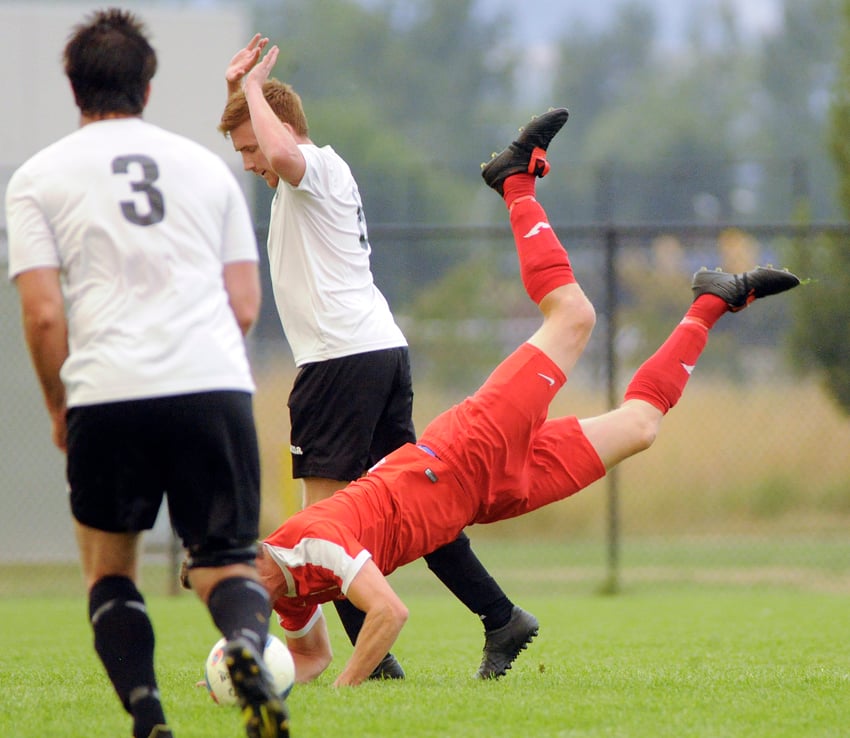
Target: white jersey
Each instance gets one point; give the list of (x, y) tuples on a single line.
[(140, 222), (319, 256)]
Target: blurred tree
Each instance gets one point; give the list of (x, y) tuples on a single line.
[(717, 128), (656, 123), (790, 103), (464, 320), (398, 88), (822, 330)]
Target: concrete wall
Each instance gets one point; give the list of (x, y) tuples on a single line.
[(193, 41)]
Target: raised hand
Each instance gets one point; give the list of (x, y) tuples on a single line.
[(243, 61), (261, 71)]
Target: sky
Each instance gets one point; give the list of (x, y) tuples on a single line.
[(757, 16), (540, 23)]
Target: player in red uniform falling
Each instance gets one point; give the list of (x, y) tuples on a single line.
[(493, 456)]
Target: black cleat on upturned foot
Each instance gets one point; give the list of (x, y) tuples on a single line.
[(739, 290), (263, 711), (528, 153), (389, 668), (502, 646)]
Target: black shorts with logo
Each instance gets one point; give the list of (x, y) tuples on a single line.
[(348, 413), (200, 450)]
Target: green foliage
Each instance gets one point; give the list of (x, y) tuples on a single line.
[(821, 334), (459, 334), (398, 89), (420, 92), (822, 329)]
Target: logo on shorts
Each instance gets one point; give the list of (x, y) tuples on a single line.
[(295, 450), (547, 378)]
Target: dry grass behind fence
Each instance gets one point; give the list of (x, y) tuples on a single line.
[(730, 460)]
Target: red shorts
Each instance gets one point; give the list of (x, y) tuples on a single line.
[(502, 447)]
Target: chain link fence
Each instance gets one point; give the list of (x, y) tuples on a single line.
[(749, 480)]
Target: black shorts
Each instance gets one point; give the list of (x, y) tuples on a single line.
[(198, 449), (348, 413)]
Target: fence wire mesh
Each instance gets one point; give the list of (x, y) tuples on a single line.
[(748, 482)]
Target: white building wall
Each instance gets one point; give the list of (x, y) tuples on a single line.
[(194, 42)]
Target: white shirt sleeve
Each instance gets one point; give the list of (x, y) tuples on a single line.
[(31, 242)]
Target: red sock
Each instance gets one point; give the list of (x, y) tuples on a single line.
[(519, 185), (661, 379), (543, 262), (707, 309)]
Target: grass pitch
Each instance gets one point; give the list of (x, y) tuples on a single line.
[(660, 659)]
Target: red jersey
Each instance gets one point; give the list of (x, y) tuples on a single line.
[(497, 456)]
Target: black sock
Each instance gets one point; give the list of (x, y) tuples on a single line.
[(240, 608), (457, 566), (124, 641), (351, 619)]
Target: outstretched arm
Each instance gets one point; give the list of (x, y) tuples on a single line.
[(385, 616), (242, 63)]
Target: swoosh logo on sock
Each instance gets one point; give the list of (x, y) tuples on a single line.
[(689, 368), (539, 226)]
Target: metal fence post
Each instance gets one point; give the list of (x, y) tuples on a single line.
[(612, 579)]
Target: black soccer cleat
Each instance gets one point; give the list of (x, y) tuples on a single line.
[(389, 668), (264, 713), (502, 646), (528, 152), (739, 290), (161, 731)]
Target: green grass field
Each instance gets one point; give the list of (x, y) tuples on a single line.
[(665, 657)]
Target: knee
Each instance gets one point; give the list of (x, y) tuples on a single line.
[(644, 427), (575, 312), (585, 315)]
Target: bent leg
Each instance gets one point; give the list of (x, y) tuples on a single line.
[(623, 432), (568, 315), (460, 570)]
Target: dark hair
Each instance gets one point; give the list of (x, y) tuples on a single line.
[(110, 63)]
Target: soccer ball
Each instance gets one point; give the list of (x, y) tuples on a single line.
[(277, 657)]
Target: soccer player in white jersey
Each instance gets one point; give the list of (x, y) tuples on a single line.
[(352, 400), (134, 256)]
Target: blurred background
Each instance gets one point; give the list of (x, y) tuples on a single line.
[(703, 133)]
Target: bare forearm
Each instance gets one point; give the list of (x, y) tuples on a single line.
[(380, 630), (311, 652), (307, 668), (47, 339)]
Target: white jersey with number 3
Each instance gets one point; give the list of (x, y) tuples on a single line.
[(140, 222)]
